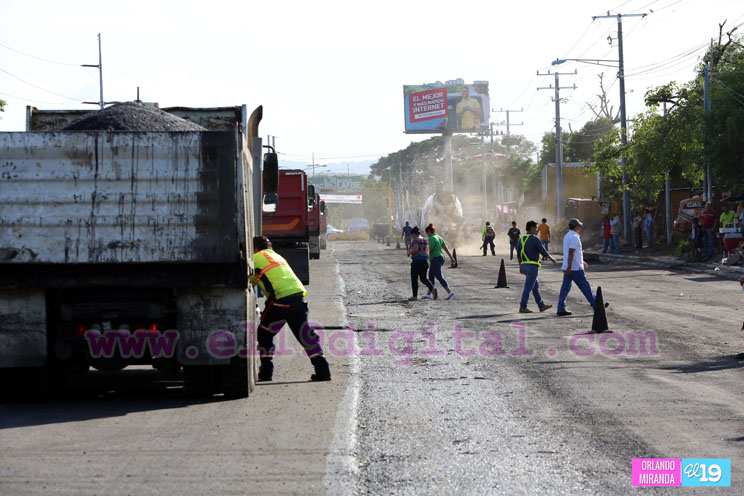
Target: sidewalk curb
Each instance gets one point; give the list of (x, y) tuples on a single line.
[(723, 271)]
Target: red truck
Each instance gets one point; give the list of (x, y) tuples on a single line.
[(317, 224), (288, 227)]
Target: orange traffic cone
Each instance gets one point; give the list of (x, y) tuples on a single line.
[(502, 277), (599, 322)]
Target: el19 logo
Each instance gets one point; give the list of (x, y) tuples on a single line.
[(706, 472)]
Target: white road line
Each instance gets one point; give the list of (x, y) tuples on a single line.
[(341, 463)]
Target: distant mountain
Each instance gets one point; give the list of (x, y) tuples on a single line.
[(359, 168)]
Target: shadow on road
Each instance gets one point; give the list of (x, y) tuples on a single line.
[(99, 395), (723, 362), (388, 302)]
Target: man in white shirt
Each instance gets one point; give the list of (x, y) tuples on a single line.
[(573, 267)]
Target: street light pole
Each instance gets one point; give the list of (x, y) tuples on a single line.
[(623, 121)]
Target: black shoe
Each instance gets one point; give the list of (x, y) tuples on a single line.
[(266, 370), (322, 371), (564, 313), (607, 304), (484, 254)]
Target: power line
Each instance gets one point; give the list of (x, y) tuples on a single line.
[(667, 6), (647, 5), (29, 100), (38, 87), (37, 58)]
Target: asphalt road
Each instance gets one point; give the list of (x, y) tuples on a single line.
[(133, 432), (465, 396), (565, 412)]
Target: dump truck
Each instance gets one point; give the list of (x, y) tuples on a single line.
[(444, 210), (121, 248), (288, 227)]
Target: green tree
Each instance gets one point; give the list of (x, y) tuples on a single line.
[(725, 122)]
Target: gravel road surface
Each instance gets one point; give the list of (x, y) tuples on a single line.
[(564, 412)]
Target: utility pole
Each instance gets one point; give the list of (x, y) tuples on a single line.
[(508, 129), (623, 121), (99, 66), (707, 186), (559, 201), (667, 200)]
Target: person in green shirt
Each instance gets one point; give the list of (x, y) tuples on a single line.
[(727, 216), (436, 259)]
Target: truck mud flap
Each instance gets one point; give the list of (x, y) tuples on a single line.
[(299, 259), (23, 334), (314, 247)]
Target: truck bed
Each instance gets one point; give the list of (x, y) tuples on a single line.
[(92, 199)]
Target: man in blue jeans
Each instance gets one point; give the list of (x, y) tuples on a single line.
[(573, 268), (529, 249)]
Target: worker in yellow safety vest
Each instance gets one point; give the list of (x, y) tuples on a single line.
[(530, 249), (285, 303)]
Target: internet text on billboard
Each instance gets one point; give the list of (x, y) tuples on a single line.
[(453, 106)]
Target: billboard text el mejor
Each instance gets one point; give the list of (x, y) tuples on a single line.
[(454, 106)]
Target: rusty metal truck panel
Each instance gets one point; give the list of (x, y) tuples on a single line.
[(119, 197)]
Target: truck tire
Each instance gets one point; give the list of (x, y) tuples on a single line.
[(199, 381), (167, 366), (236, 378), (36, 383)]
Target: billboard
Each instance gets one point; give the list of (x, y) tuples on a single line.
[(453, 106), (338, 184), (353, 199)]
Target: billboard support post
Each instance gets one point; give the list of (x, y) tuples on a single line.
[(485, 183), (449, 183)]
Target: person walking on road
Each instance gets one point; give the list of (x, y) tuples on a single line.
[(514, 235), (616, 226), (419, 254), (406, 232), (285, 304), (487, 236), (709, 219), (573, 268), (606, 234), (543, 231), (530, 249), (436, 259), (648, 226), (637, 229)]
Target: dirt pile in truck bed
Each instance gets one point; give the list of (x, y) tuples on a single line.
[(132, 116)]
